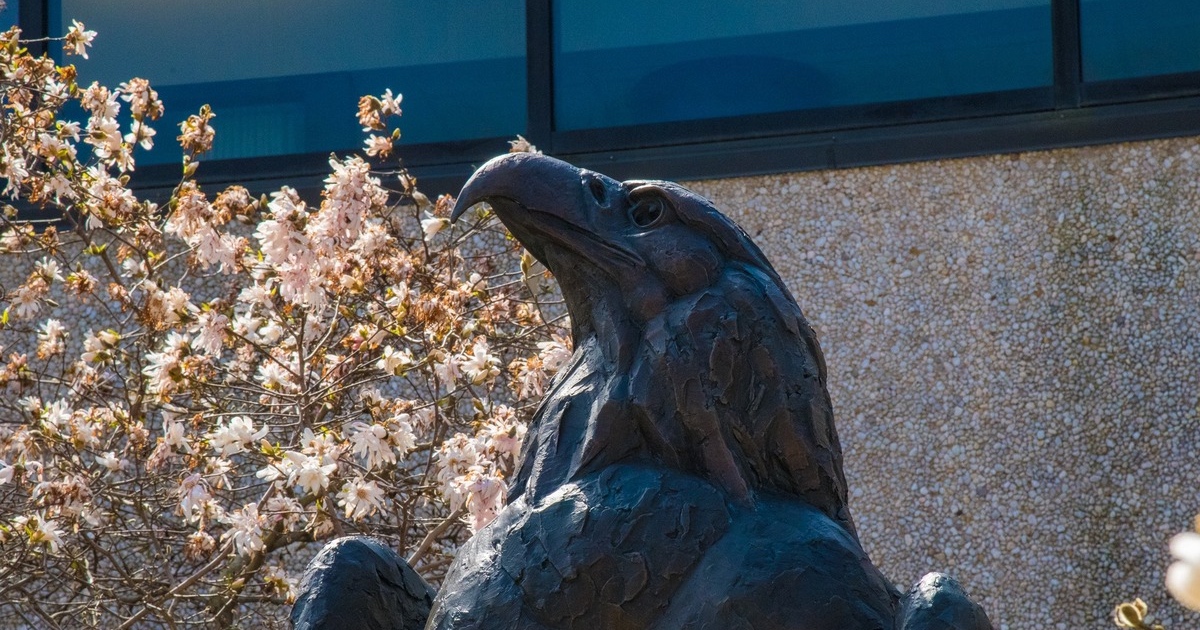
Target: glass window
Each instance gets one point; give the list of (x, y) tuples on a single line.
[(1123, 39), (285, 77), (627, 62), (9, 14)]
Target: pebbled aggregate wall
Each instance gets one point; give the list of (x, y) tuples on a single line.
[(1013, 347)]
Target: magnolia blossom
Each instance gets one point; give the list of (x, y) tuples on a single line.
[(56, 418), (193, 497), (394, 361), (402, 437), (554, 354), (455, 456), (51, 337), (78, 39), (325, 313), (26, 299), (210, 332), (378, 145), (360, 497), (110, 461), (231, 438), (97, 347), (503, 432), (323, 445), (1183, 576), (305, 472), (484, 495), (246, 530), (447, 370), (481, 366), (41, 531), (370, 441), (49, 270), (164, 369), (174, 432), (431, 225)]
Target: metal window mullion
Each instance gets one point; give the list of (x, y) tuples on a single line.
[(33, 17), (1068, 68), (539, 44)]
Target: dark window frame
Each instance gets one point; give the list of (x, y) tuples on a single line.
[(1071, 112)]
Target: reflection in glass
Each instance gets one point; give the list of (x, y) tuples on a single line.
[(631, 62), (285, 77), (1136, 38)]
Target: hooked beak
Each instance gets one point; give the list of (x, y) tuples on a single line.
[(545, 202)]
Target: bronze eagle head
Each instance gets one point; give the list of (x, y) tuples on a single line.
[(709, 365)]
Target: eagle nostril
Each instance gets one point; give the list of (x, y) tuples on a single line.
[(598, 190)]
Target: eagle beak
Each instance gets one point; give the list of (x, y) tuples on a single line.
[(547, 203), (536, 182)]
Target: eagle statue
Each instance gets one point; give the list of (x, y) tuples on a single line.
[(683, 470)]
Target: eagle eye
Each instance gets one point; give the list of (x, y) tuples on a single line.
[(646, 212)]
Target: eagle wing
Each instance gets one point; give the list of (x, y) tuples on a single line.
[(730, 380)]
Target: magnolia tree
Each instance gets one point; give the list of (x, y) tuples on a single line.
[(198, 392)]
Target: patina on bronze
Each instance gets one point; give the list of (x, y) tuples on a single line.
[(684, 470)]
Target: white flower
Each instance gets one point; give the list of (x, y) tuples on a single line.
[(96, 347), (481, 366), (502, 433), (273, 376), (48, 268), (1183, 576), (308, 473), (455, 456), (370, 441), (554, 354), (50, 338), (402, 437), (378, 145), (6, 473), (164, 368), (284, 509), (41, 531), (431, 225), (246, 530), (360, 498), (484, 494), (303, 471), (26, 301), (174, 432), (390, 105), (323, 445), (279, 240), (57, 418), (447, 371), (78, 39), (110, 461), (270, 332), (193, 497), (394, 361), (210, 332), (141, 133), (231, 438), (256, 295)]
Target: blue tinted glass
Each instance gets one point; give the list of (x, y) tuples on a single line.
[(627, 62), (1137, 38), (284, 77), (8, 14)]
